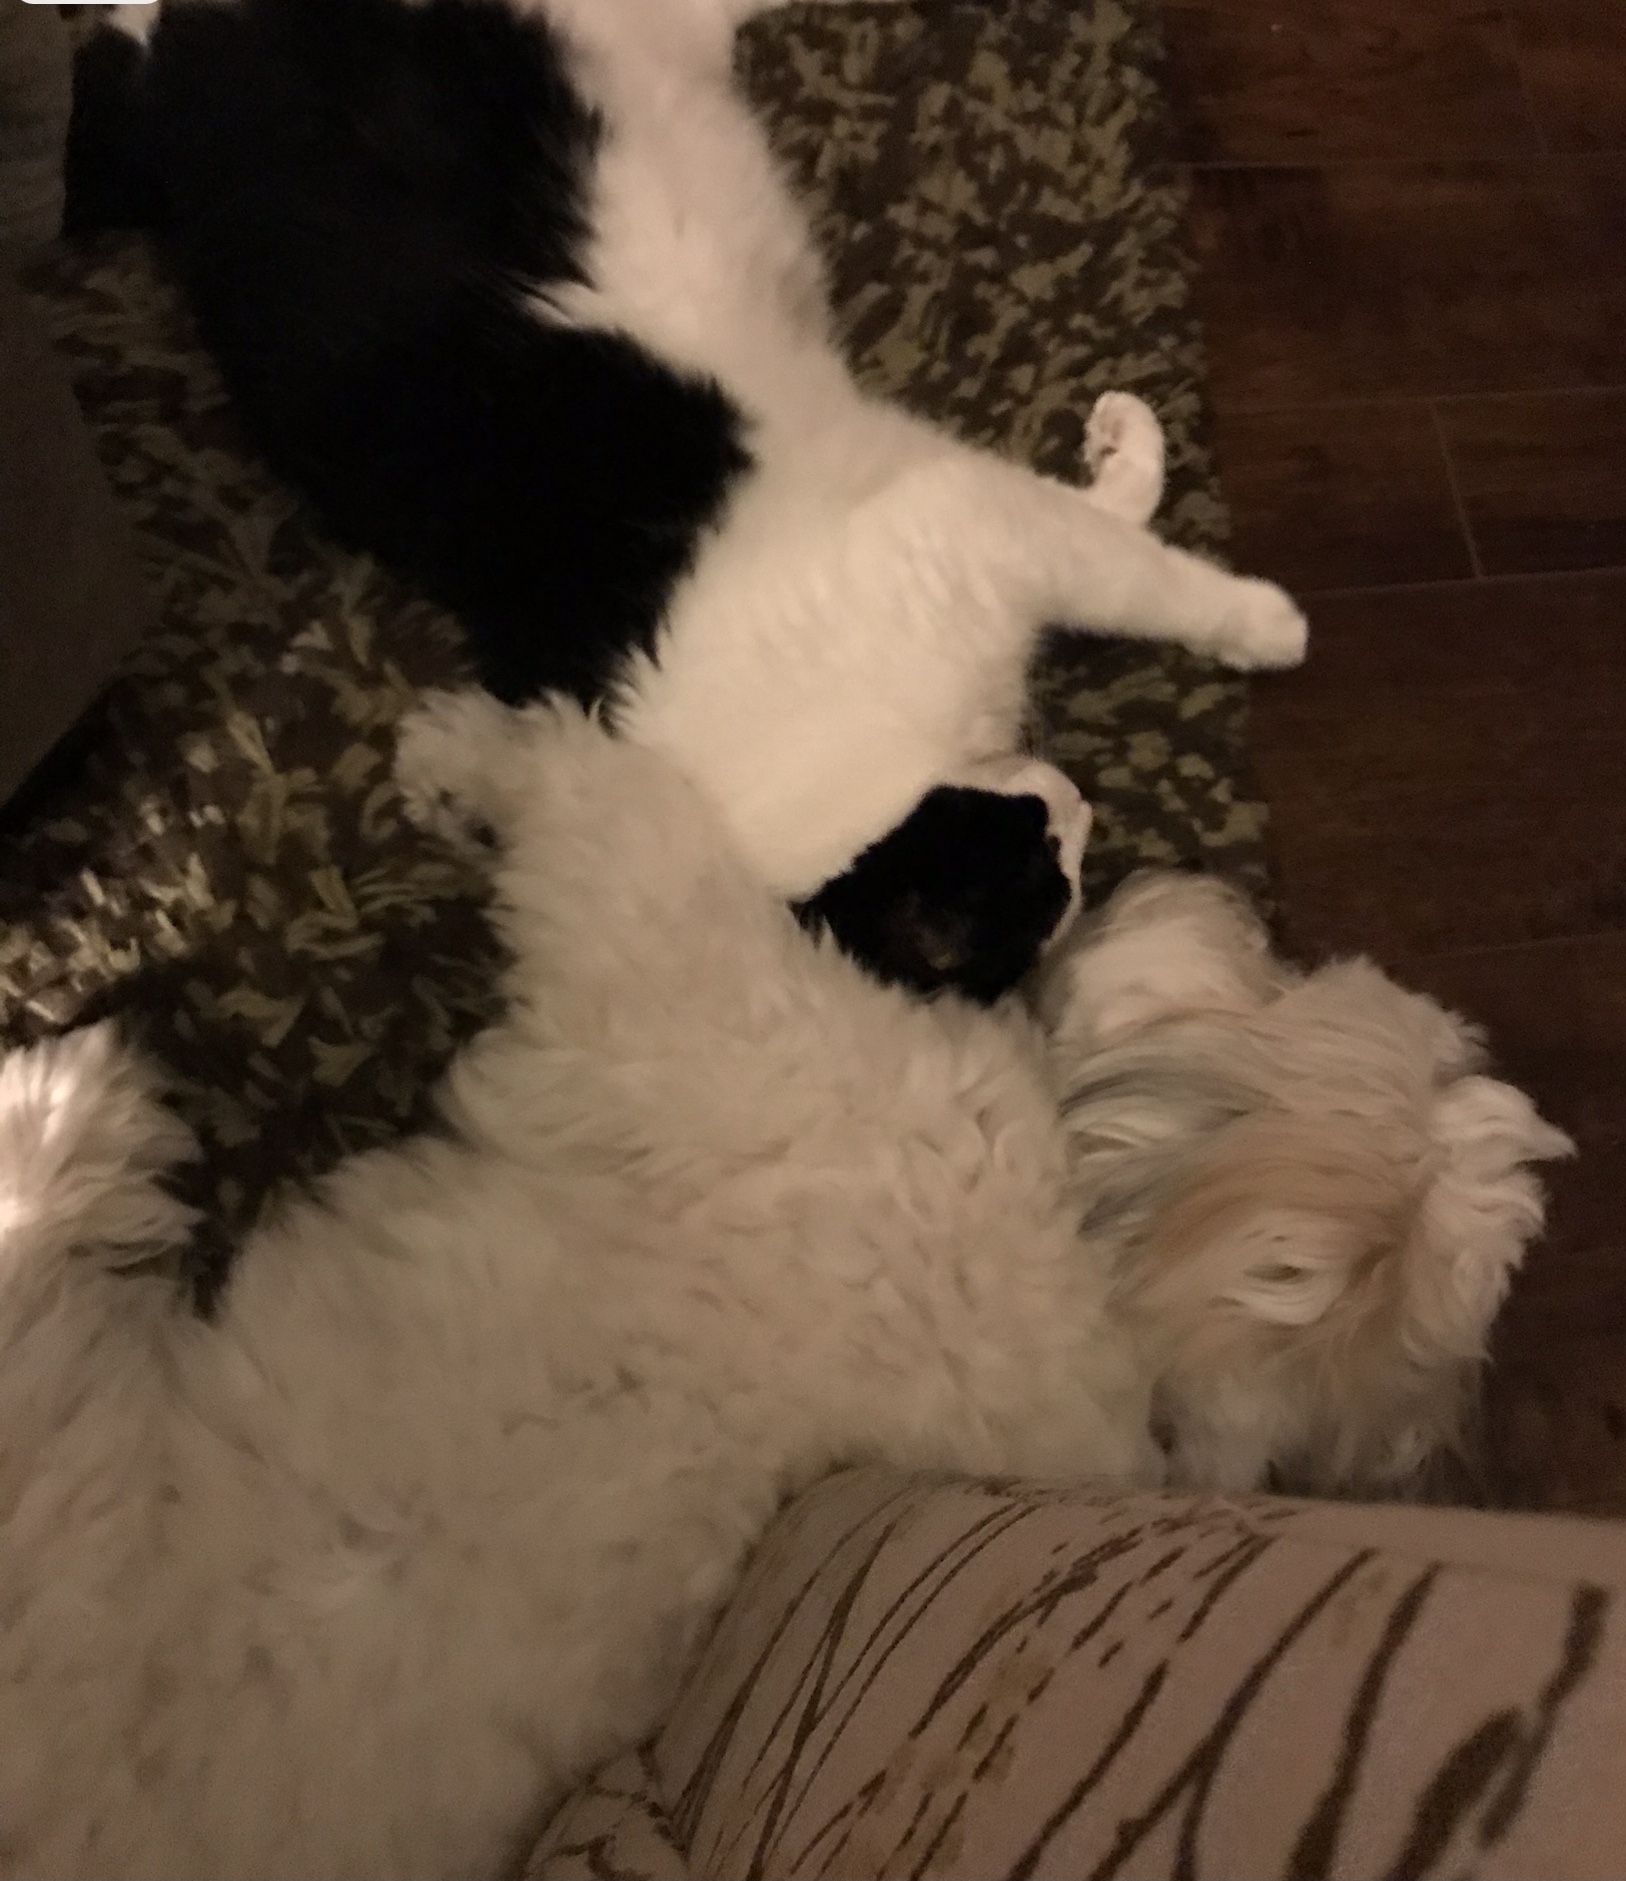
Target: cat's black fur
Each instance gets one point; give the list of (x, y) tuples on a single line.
[(351, 190)]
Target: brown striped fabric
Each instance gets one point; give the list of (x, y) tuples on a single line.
[(965, 1679)]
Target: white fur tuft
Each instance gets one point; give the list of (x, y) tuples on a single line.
[(1165, 944), (1290, 1265), (83, 1139), (1486, 1203)]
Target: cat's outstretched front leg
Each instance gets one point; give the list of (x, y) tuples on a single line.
[(1046, 552), (819, 677)]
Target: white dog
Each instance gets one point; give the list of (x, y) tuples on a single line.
[(1313, 1196), (354, 1579)]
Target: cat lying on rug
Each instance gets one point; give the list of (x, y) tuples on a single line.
[(356, 1578), (514, 290)]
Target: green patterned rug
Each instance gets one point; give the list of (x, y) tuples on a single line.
[(231, 869)]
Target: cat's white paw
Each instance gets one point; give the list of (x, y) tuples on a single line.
[(449, 752), (1261, 628), (1123, 446)]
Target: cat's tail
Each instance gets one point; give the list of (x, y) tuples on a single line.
[(110, 170)]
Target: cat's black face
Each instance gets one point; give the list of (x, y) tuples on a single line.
[(961, 896)]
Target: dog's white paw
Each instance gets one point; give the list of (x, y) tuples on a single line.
[(448, 752), (1261, 628), (1123, 446)]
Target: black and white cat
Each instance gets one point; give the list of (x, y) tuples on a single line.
[(515, 291)]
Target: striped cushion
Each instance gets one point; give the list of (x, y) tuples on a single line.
[(967, 1679)]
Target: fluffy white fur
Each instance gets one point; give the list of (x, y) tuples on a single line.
[(859, 627), (354, 1579), (1316, 1195)]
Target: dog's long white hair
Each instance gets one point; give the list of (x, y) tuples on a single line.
[(1313, 1194), (353, 1579)]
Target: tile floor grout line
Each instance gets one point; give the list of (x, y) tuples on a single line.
[(1608, 571), (1388, 401), (1612, 155), (1514, 40), (1412, 958), (1464, 521)]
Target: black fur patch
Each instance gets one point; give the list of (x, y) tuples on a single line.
[(962, 894), (355, 191)]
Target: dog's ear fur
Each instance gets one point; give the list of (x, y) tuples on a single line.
[(1273, 1226), (1324, 1290), (1485, 1202)]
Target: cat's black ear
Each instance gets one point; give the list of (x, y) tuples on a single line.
[(961, 896)]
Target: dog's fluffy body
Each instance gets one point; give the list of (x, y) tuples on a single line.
[(349, 1581), (515, 289), (354, 1579)]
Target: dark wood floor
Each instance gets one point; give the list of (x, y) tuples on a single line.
[(1412, 221)]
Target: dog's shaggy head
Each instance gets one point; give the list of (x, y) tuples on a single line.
[(1312, 1196)]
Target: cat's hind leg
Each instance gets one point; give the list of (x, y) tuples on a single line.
[(1123, 446)]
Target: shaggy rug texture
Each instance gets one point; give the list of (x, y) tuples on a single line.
[(227, 863)]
